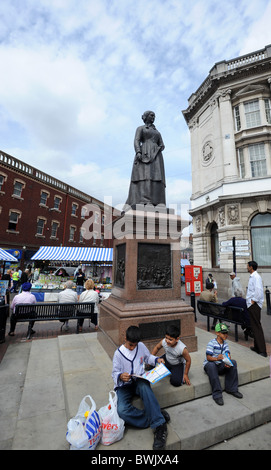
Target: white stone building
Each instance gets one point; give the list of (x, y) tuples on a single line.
[(229, 118)]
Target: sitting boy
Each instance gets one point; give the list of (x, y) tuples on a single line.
[(213, 365), (177, 358), (129, 359)]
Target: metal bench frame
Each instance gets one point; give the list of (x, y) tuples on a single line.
[(53, 311), (229, 314)]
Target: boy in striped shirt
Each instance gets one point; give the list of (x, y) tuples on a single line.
[(216, 363)]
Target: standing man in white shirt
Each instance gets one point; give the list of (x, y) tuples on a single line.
[(254, 299)]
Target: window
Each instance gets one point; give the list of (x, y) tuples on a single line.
[(72, 232), (94, 241), (55, 226), (241, 162), (17, 190), (74, 208), (2, 179), (96, 218), (40, 226), (261, 239), (13, 220), (57, 202), (257, 160), (267, 110), (252, 113), (237, 118), (43, 198), (81, 236), (83, 212)]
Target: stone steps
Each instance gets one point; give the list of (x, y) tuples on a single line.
[(57, 373)]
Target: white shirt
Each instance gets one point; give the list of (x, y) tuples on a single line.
[(255, 290), (90, 296), (67, 296), (174, 355)]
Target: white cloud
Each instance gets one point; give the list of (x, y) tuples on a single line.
[(259, 34), (77, 75)]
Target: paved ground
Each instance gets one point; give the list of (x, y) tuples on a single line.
[(51, 329)]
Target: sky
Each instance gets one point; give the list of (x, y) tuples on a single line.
[(77, 75)]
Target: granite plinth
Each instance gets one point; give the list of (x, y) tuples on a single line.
[(116, 315), (146, 282)]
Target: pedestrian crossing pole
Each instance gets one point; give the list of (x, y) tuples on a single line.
[(234, 255)]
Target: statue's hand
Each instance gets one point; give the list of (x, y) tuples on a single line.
[(137, 158)]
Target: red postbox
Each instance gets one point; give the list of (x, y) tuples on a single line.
[(193, 279)]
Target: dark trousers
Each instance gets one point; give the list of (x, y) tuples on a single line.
[(13, 324), (255, 322), (93, 320), (213, 371), (176, 378), (151, 414)]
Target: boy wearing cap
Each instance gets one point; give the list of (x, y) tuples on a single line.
[(214, 365)]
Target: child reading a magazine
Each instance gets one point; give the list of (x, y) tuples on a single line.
[(218, 361), (128, 361), (177, 357)]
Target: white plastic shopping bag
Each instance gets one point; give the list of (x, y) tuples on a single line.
[(112, 425), (84, 430)]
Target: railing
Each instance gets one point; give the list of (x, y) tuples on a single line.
[(246, 60), (41, 176)]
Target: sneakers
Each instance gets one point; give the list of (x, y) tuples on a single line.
[(219, 401), (160, 437), (235, 394), (166, 415)]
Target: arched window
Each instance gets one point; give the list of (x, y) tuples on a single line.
[(261, 239), (215, 246)]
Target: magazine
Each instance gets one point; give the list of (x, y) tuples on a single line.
[(227, 360), (154, 375)]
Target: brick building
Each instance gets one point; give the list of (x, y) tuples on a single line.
[(37, 209)]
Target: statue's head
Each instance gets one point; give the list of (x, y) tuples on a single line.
[(146, 115)]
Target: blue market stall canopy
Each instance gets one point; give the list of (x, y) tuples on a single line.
[(5, 256), (64, 253)]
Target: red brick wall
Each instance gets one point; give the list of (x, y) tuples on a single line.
[(29, 207)]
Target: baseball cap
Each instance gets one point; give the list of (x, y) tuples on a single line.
[(232, 274), (221, 328)]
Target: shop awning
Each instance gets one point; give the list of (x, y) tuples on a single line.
[(185, 262), (62, 253), (5, 256)]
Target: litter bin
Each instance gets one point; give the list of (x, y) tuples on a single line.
[(3, 320)]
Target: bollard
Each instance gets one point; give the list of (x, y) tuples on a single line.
[(193, 303), (268, 307)]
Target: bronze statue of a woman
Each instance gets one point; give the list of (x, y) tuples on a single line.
[(148, 182)]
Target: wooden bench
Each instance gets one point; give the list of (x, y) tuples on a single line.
[(53, 311), (223, 313)]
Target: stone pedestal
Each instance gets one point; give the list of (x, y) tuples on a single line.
[(146, 288)]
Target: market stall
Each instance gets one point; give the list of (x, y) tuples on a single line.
[(5, 256), (96, 263)]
